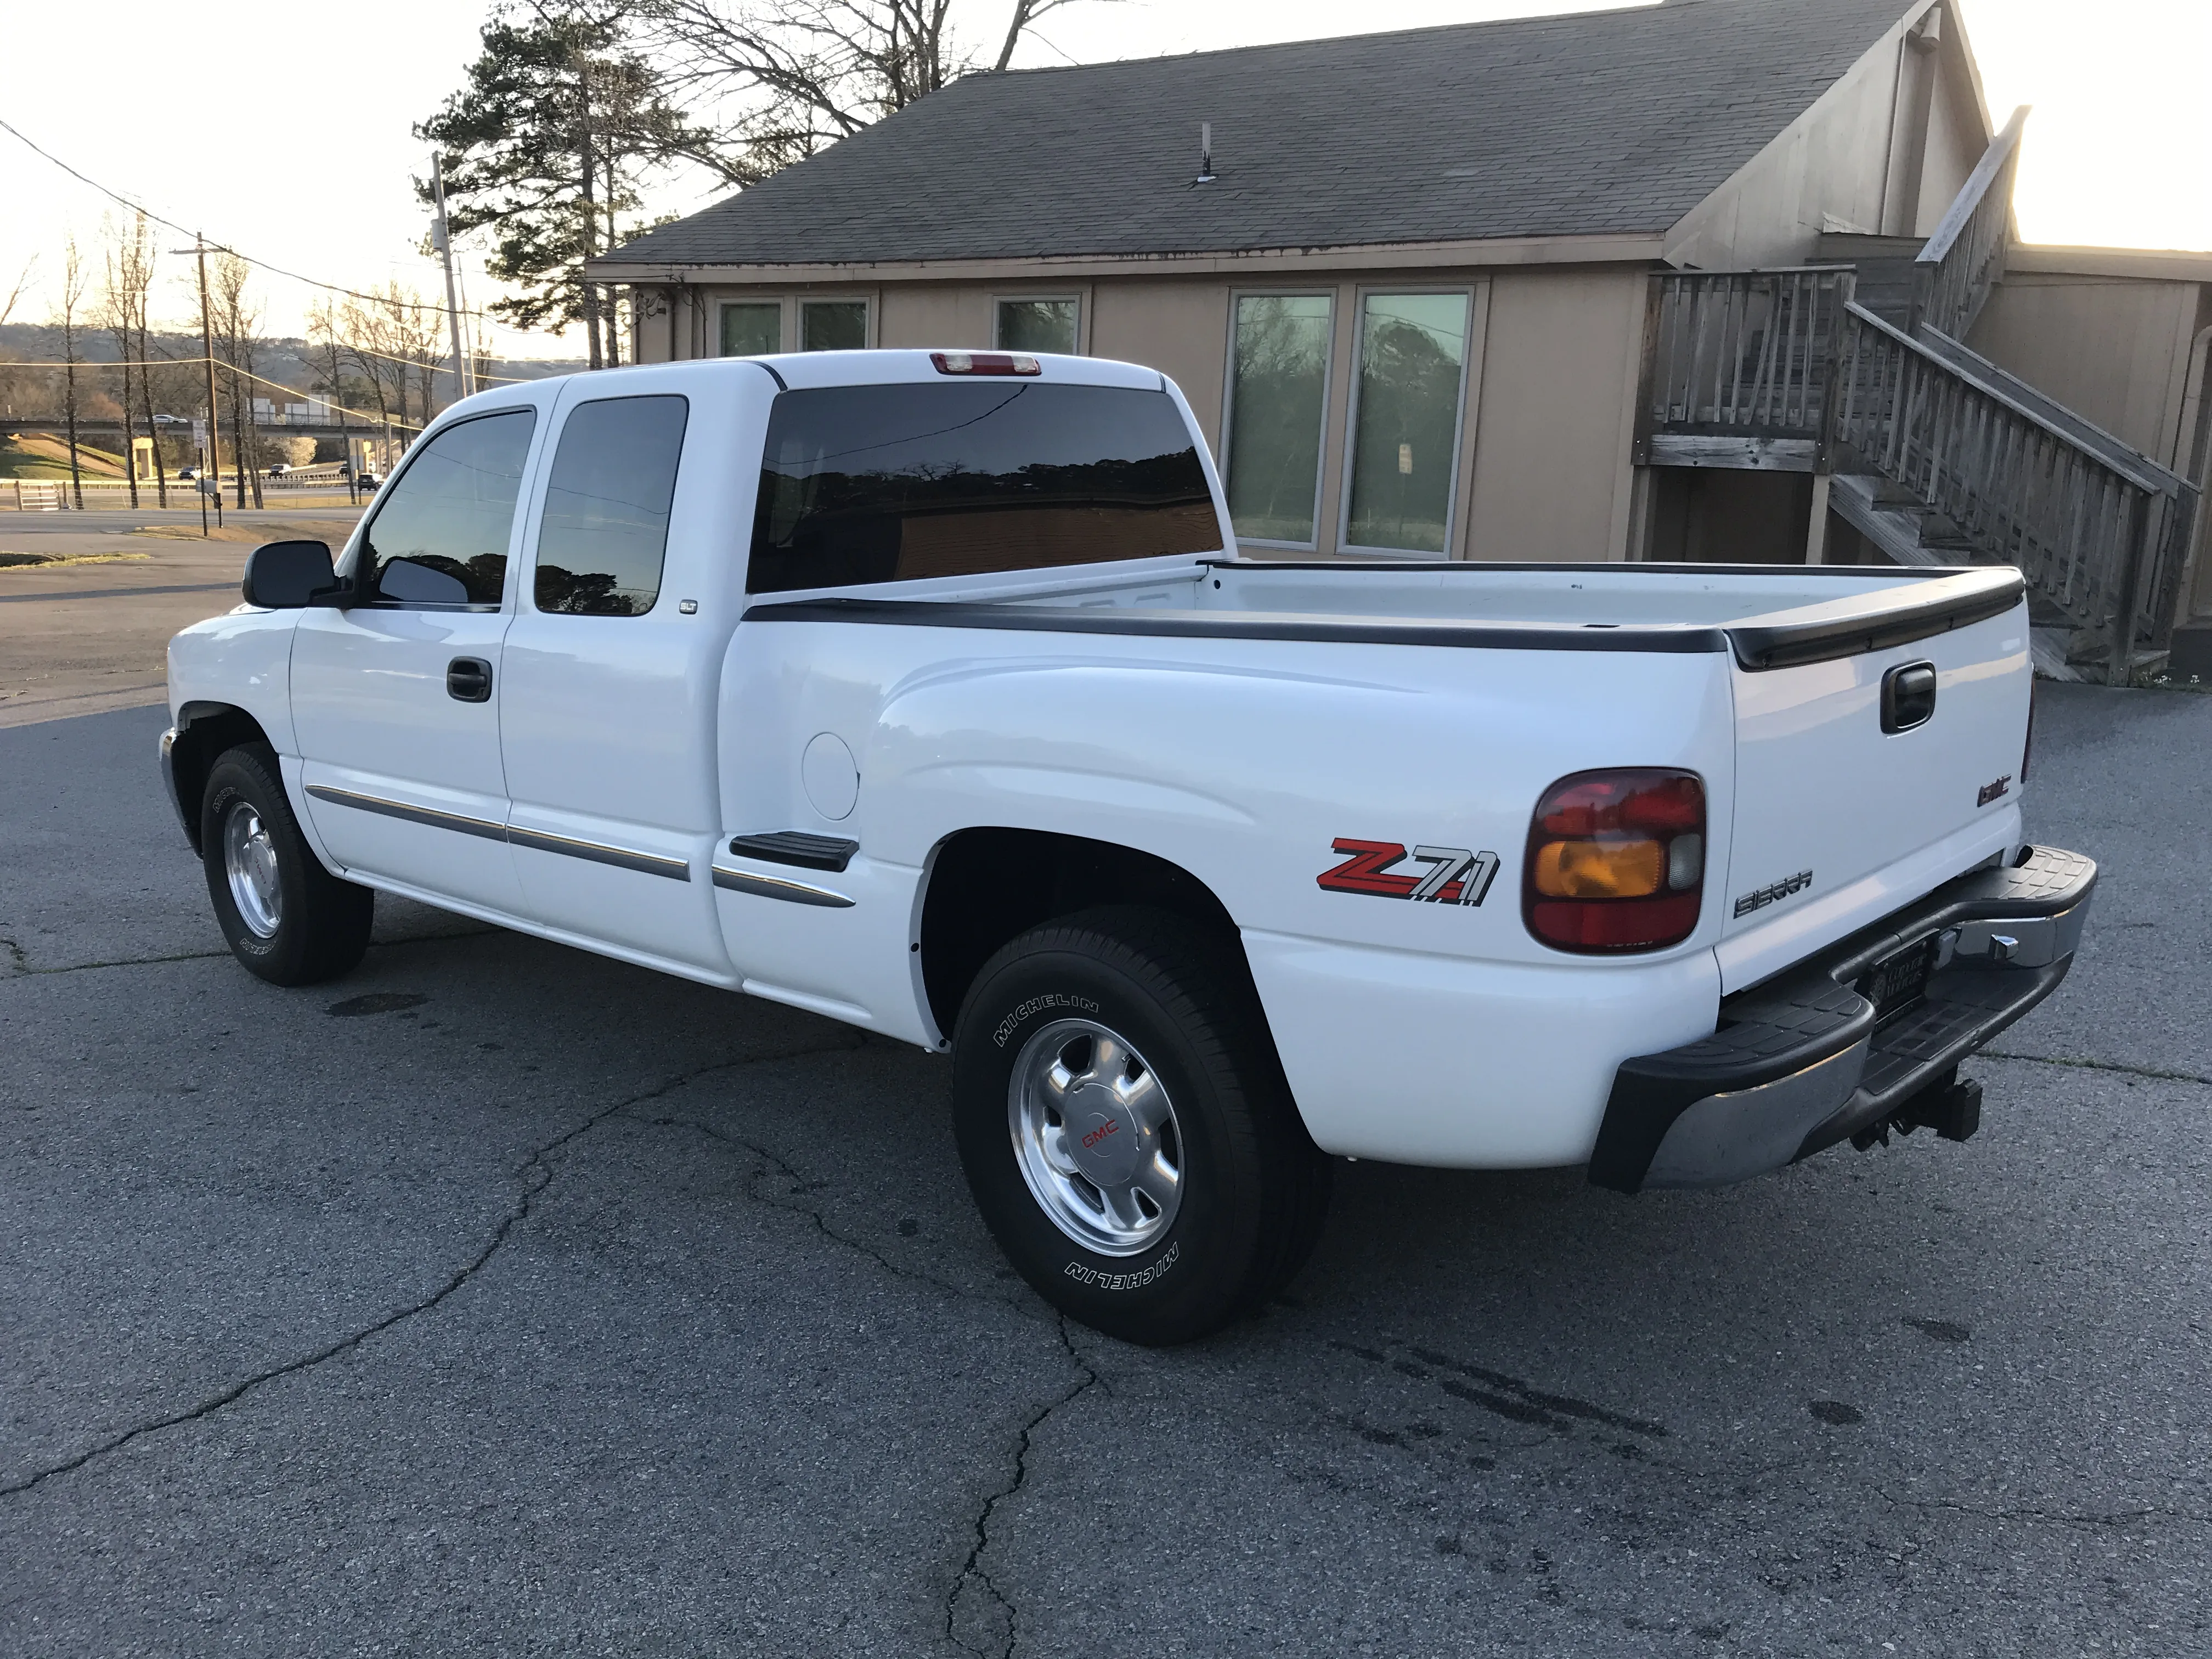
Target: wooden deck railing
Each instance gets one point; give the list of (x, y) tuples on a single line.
[(2101, 536), (1958, 266), (1737, 366)]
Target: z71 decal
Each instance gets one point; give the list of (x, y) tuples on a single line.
[(1454, 876)]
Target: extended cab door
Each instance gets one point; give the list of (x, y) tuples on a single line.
[(396, 699), (608, 714)]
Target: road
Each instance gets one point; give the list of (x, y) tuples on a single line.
[(88, 632), (502, 1299)]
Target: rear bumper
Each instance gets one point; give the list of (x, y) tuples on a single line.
[(1802, 1063)]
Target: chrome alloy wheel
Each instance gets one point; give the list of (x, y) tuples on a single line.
[(1095, 1137), (249, 860)]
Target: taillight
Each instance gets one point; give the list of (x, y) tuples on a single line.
[(985, 362), (1616, 860)]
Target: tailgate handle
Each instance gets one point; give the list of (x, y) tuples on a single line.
[(1908, 696), (468, 679)]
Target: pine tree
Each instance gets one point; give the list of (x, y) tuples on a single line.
[(543, 149)]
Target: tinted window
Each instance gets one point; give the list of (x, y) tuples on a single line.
[(606, 529), (1037, 325), (752, 330), (833, 325), (890, 482), (1412, 358), (441, 531)]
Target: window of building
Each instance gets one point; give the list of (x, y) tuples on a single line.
[(874, 483), (1404, 444), (752, 328), (1039, 325), (605, 533), (439, 534), (1278, 405), (833, 325)]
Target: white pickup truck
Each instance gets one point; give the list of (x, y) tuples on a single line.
[(927, 691)]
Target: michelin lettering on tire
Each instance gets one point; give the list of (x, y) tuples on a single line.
[(1136, 1281), (1012, 1022)]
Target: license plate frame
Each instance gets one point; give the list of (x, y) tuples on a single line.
[(1899, 980)]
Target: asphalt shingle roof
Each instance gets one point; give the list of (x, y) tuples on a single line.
[(1617, 121)]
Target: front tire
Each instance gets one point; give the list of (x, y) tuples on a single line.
[(287, 918), (1126, 1128)]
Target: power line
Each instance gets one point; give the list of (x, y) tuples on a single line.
[(184, 230)]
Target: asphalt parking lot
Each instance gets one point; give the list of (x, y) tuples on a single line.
[(502, 1299)]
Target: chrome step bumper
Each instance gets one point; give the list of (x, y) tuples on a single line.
[(1803, 1061)]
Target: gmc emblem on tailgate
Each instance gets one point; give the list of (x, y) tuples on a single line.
[(1989, 792)]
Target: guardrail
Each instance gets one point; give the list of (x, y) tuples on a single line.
[(1737, 366), (113, 494), (2103, 537)]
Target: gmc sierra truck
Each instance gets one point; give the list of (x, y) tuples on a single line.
[(928, 691)]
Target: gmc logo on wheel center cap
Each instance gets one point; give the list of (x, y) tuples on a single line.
[(1099, 1134)]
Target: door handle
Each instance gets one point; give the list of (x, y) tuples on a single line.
[(468, 679)]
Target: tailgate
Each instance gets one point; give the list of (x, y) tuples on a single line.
[(1851, 797)]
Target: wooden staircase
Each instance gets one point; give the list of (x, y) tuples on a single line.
[(1853, 369)]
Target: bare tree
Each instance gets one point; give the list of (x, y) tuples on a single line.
[(67, 318), (126, 272), (789, 78), (237, 340), (1026, 13), (16, 294), (326, 334)]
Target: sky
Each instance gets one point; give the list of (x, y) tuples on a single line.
[(283, 130)]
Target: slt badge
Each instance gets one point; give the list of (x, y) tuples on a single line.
[(1455, 876)]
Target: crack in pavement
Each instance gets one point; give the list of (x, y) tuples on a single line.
[(972, 1568), (23, 969), (773, 1163), (2048, 1517), (535, 1174), (2079, 1063)]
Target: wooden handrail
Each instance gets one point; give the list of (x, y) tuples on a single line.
[(2160, 482), (1955, 219)]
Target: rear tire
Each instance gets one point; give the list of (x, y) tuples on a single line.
[(1125, 1127), (287, 918)]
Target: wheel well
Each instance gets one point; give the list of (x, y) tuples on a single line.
[(205, 732), (988, 885)]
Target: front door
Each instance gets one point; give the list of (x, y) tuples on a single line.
[(396, 700)]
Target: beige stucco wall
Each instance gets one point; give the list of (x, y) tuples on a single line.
[(1555, 421), (1180, 328), (2112, 350)]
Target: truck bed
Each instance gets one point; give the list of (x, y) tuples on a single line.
[(1770, 616)]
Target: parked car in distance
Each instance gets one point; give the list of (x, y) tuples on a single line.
[(929, 692)]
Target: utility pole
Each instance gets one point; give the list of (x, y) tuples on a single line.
[(443, 242), (211, 461)]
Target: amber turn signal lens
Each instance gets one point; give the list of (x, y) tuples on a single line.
[(1616, 860), (1599, 869)]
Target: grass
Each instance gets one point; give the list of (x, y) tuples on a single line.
[(47, 560)]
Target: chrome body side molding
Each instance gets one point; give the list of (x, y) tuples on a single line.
[(777, 887), (649, 864)]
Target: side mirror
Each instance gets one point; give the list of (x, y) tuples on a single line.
[(288, 575)]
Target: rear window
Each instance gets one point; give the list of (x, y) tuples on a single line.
[(876, 483)]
